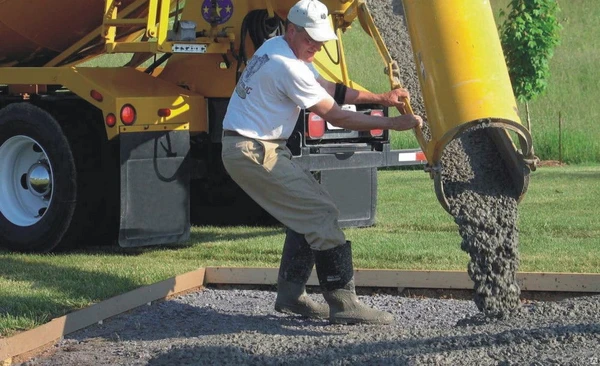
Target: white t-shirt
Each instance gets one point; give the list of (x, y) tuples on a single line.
[(272, 90)]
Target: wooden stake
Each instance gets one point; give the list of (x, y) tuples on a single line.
[(559, 138)]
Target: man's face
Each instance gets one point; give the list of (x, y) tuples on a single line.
[(303, 46)]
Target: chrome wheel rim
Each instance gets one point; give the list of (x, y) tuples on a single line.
[(26, 181)]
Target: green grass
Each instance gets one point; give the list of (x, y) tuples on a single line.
[(559, 232), (561, 221), (573, 86)]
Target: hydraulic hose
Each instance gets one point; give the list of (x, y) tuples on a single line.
[(260, 27)]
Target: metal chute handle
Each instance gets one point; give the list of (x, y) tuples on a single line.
[(392, 69), (393, 72)]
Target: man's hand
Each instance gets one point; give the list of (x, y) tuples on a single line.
[(395, 98), (406, 122)]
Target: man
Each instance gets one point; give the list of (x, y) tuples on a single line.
[(277, 83)]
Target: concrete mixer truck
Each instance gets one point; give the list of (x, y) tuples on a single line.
[(131, 152)]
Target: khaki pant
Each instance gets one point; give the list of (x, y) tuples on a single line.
[(266, 172)]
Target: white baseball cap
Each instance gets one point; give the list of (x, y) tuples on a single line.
[(312, 16)]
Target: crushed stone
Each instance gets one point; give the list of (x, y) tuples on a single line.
[(239, 326)]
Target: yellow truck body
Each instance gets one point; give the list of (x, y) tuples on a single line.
[(132, 151)]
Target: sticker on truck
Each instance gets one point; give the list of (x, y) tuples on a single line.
[(188, 48)]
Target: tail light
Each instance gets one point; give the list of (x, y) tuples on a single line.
[(96, 95), (377, 132), (316, 126), (111, 120), (164, 112), (128, 114)]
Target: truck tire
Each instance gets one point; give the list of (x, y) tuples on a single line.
[(97, 212), (38, 186)]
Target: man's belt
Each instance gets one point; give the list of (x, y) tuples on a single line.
[(231, 133)]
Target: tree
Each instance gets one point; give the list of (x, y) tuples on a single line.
[(528, 36)]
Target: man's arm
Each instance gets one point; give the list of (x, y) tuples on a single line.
[(330, 111), (393, 98)]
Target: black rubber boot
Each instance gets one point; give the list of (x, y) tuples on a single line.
[(296, 266), (336, 276)]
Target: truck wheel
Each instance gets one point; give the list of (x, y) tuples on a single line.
[(37, 180), (97, 212)]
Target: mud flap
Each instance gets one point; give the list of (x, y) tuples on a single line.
[(155, 188), (354, 192)]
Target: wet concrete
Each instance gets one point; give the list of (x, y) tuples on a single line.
[(483, 202), (476, 183)]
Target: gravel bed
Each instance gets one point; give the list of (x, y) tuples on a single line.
[(239, 326)]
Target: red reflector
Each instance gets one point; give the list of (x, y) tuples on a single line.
[(164, 112), (111, 120), (96, 95), (316, 126), (128, 114), (420, 156), (379, 113)]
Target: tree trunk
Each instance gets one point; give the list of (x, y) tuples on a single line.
[(528, 117)]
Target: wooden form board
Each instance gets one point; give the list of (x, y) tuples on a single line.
[(528, 281), (362, 278), (57, 328)]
